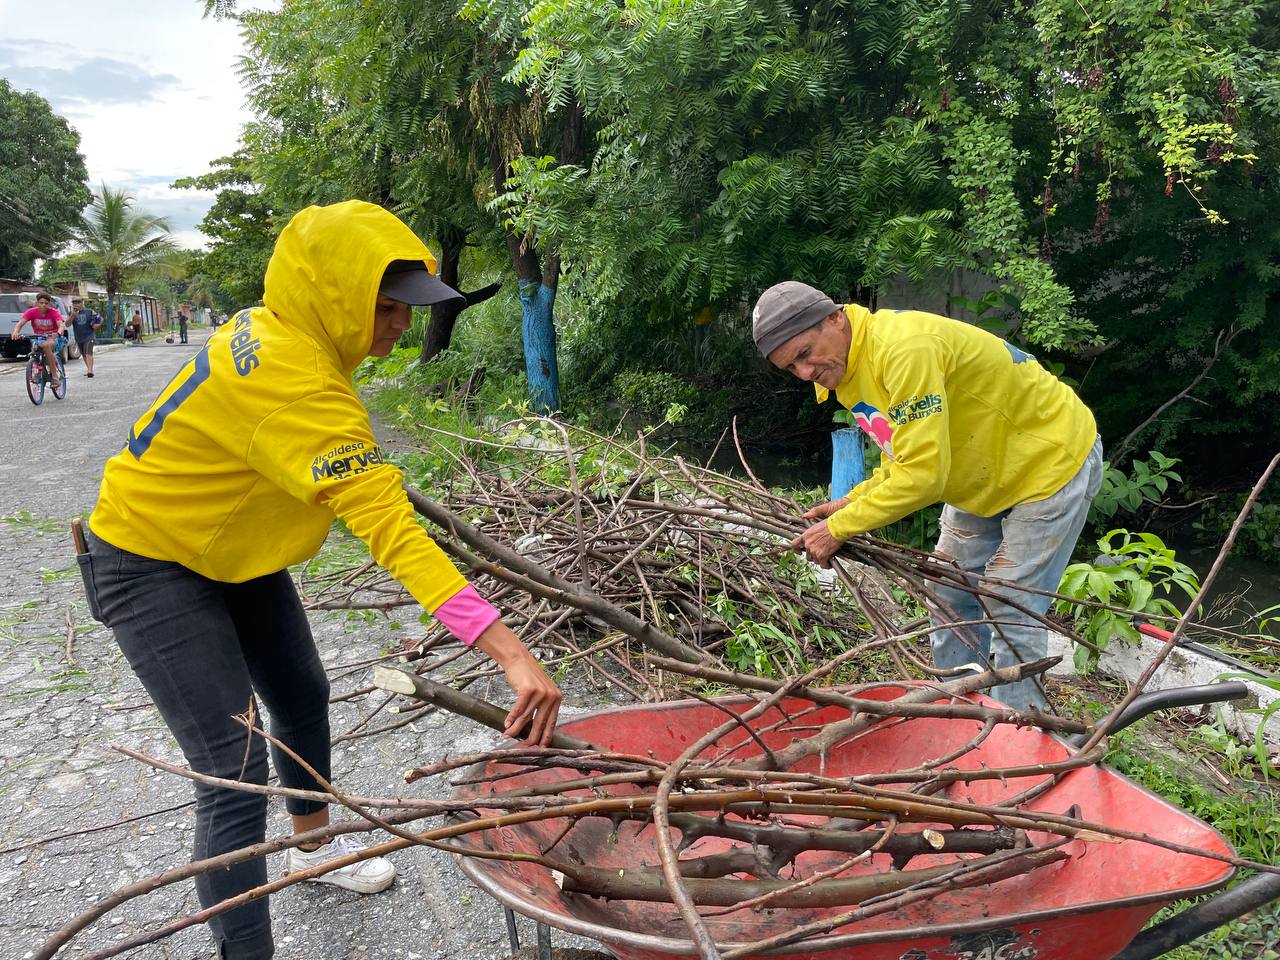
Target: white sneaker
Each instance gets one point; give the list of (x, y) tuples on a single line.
[(365, 876)]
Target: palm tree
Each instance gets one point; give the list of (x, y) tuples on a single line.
[(123, 243), (200, 291)]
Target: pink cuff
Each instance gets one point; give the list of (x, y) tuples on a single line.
[(467, 614)]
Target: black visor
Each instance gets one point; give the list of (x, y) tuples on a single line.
[(409, 282)]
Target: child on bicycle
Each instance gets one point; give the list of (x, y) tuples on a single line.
[(46, 327)]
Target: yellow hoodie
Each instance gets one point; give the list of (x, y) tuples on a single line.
[(241, 463), (960, 416)]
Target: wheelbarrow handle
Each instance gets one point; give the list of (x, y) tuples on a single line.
[(1204, 916), (1176, 697)]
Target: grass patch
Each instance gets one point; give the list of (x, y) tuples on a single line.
[(29, 521), (54, 574), (1248, 815)]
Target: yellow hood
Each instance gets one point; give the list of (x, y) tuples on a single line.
[(324, 273)]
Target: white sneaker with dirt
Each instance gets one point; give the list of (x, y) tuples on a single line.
[(365, 876)]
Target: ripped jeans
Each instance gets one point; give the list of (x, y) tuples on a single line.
[(1029, 544)]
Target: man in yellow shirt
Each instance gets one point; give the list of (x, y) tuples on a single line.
[(237, 471), (960, 416)]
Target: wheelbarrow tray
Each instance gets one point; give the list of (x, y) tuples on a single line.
[(1085, 908)]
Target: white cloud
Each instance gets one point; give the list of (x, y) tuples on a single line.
[(150, 86)]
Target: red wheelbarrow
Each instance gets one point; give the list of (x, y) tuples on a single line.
[(1088, 907)]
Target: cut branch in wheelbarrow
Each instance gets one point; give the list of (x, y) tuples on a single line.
[(970, 874), (650, 885)]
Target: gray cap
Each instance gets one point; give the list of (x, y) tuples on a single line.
[(786, 309)]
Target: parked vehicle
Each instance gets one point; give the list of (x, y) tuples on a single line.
[(12, 306)]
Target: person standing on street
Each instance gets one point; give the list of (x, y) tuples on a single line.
[(182, 324), (963, 417), (84, 324), (238, 471)]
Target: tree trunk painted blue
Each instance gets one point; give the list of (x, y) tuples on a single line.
[(538, 325), (847, 467), (110, 326)]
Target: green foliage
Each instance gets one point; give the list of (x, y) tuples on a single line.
[(919, 530), (1260, 535), (1261, 755), (69, 269), (43, 184), (241, 225), (1249, 818), (1111, 166), (1247, 813), (1146, 483), (1136, 572), (747, 142), (27, 519), (650, 392), (779, 643)]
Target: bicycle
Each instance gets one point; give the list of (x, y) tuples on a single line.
[(38, 377)]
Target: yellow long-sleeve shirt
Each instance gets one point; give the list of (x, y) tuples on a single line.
[(960, 415), (240, 465)]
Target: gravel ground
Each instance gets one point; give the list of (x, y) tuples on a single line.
[(59, 717)]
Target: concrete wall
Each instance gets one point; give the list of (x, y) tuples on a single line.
[(1187, 666), (902, 294)]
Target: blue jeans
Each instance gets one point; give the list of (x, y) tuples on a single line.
[(204, 650), (1029, 544)]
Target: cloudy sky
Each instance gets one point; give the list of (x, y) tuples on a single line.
[(150, 86)]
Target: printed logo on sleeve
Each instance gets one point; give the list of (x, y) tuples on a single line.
[(875, 424), (345, 460), (1019, 356), (917, 408)]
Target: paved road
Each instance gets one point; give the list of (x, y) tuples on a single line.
[(59, 717), (63, 440)]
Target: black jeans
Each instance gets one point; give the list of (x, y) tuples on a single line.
[(202, 649)]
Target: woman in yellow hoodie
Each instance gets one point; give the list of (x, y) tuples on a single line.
[(236, 471)]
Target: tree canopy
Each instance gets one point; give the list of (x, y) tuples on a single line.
[(846, 143), (1106, 165), (43, 181), (241, 227)]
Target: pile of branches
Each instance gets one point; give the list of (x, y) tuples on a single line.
[(643, 567), (590, 545)]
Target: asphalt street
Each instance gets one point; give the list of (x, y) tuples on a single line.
[(80, 820)]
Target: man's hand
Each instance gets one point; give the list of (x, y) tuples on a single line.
[(818, 543), (825, 510), (537, 697)]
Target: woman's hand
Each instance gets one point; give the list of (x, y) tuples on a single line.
[(825, 510), (537, 697)]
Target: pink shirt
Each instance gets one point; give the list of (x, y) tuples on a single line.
[(45, 321)]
